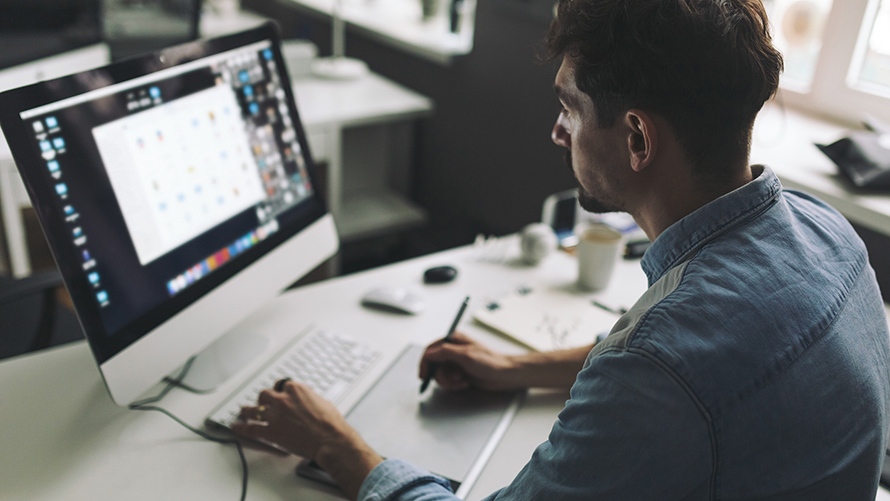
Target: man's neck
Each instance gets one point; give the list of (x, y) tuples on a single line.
[(666, 207)]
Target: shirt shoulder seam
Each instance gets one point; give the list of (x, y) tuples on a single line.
[(706, 415)]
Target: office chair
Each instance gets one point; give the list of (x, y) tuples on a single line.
[(28, 309)]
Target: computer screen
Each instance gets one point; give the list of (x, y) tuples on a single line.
[(176, 192)]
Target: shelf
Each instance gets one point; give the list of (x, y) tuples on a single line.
[(366, 215), (230, 20), (365, 100), (398, 23)]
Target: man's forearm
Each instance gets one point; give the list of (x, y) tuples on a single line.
[(552, 369), (348, 460)]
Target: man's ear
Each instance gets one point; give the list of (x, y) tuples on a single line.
[(642, 139)]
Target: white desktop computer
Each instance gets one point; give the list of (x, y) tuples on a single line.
[(177, 194)]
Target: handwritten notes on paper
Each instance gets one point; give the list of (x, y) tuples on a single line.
[(545, 319)]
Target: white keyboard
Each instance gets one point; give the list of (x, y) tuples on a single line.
[(328, 363)]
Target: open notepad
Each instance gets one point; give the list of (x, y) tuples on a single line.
[(546, 318)]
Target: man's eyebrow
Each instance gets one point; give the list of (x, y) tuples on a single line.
[(564, 96)]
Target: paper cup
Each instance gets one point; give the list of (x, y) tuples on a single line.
[(597, 251)]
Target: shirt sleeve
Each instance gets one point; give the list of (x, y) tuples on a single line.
[(630, 431), (394, 479)]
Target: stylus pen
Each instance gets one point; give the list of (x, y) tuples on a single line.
[(447, 339)]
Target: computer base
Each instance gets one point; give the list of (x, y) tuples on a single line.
[(222, 359)]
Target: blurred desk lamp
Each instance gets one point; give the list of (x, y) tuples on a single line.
[(338, 66)]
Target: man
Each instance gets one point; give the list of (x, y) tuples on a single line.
[(754, 367)]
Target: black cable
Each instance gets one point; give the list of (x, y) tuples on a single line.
[(170, 385), (144, 405), (191, 389)]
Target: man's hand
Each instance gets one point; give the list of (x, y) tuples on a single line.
[(307, 425), (463, 362)]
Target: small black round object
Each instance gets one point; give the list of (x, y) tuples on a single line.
[(439, 274), (279, 385)]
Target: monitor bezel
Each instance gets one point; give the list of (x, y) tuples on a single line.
[(29, 162)]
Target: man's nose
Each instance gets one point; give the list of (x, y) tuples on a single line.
[(560, 135)]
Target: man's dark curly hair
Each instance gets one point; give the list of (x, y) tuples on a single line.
[(706, 66)]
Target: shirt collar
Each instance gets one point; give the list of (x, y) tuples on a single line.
[(686, 236)]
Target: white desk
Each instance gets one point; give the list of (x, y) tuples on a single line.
[(62, 438), (783, 139)]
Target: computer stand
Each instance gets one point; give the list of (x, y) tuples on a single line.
[(222, 359)]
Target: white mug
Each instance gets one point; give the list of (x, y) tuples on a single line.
[(597, 251)]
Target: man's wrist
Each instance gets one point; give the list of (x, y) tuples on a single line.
[(520, 369), (555, 369), (348, 460)]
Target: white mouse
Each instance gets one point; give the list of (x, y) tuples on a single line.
[(398, 299)]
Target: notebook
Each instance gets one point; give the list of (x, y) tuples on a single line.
[(547, 318)]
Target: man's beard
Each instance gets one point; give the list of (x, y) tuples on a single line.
[(587, 200)]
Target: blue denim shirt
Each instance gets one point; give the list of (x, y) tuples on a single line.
[(754, 367)]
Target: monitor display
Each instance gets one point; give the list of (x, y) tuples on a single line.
[(175, 190)]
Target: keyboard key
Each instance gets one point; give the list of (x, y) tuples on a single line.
[(328, 363)]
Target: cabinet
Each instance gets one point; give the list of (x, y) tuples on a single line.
[(400, 24), (363, 130)]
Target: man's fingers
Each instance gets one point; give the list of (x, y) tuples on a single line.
[(456, 339), (459, 338), (265, 397), (451, 377), (251, 429), (457, 353), (433, 353), (447, 353), (253, 412), (296, 389)]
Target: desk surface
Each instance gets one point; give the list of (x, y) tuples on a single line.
[(783, 139), (63, 438)]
